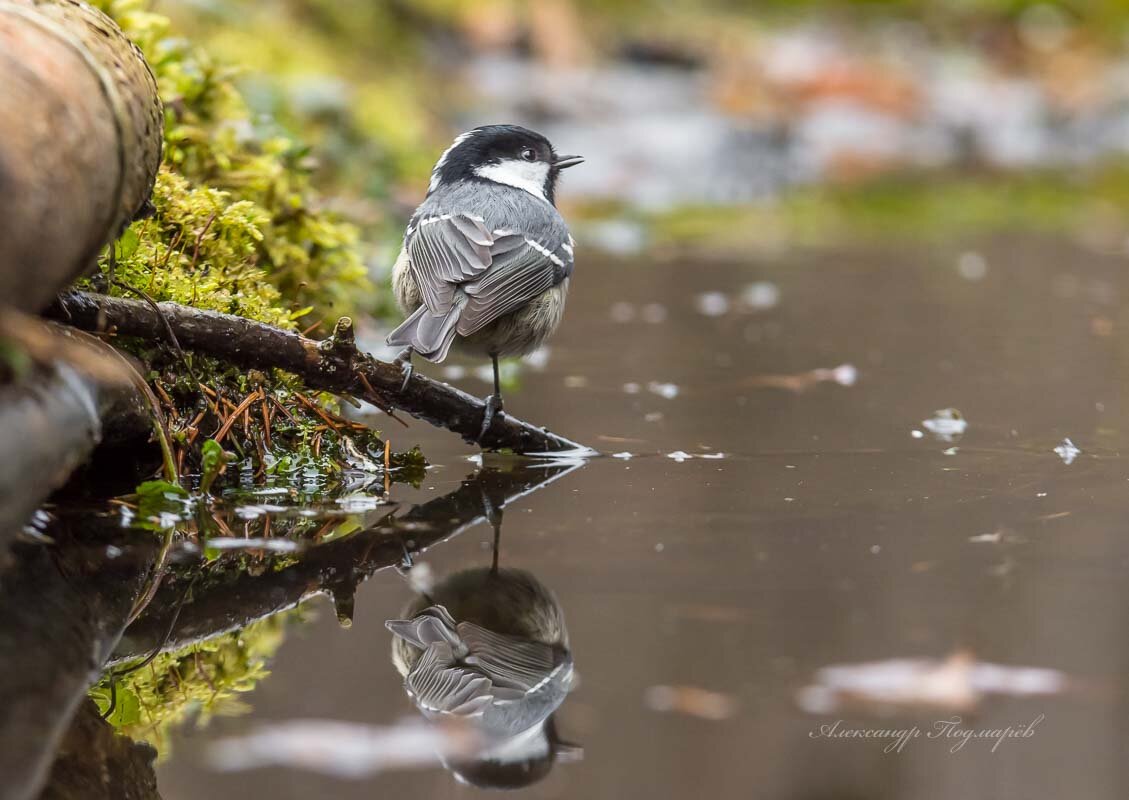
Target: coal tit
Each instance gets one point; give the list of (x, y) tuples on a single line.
[(487, 258)]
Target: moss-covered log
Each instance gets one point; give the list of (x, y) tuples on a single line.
[(333, 365), (80, 142)]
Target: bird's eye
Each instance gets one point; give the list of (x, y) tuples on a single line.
[(528, 154)]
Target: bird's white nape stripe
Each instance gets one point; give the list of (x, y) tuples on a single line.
[(527, 175), (462, 137)]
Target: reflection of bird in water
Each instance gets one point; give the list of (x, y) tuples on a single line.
[(489, 647)]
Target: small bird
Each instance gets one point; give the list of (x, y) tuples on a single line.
[(487, 257), (488, 647)]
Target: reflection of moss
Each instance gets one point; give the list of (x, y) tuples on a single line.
[(198, 682), (927, 207)]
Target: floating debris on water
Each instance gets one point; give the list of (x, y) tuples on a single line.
[(575, 381), (666, 390), (972, 266), (624, 455), (681, 455), (1067, 451), (916, 434), (958, 683), (947, 425), (632, 388), (987, 538), (712, 304), (952, 451), (690, 700), (844, 375), (760, 296)]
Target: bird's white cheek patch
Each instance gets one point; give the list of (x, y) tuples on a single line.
[(526, 175)]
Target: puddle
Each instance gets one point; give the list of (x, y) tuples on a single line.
[(741, 543)]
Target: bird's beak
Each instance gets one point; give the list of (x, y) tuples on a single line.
[(562, 162)]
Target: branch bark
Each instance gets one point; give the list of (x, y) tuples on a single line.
[(333, 365)]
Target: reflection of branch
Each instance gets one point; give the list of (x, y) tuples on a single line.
[(334, 365), (334, 568)]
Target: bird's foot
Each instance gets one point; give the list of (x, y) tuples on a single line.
[(404, 361), (493, 409)]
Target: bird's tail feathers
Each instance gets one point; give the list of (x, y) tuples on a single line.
[(428, 334)]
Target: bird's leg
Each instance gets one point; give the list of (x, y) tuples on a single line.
[(404, 360), (493, 402), (494, 517)]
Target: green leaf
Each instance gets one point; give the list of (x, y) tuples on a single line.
[(127, 244), (214, 460)]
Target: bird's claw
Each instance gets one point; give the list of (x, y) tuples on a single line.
[(404, 360), (493, 409)]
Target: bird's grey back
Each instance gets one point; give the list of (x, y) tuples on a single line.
[(501, 208)]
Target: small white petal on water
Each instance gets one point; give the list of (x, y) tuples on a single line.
[(916, 434), (1067, 451), (624, 455), (761, 296), (972, 266), (667, 390), (679, 456), (712, 304), (947, 424)]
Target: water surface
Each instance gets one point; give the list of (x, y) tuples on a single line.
[(826, 532)]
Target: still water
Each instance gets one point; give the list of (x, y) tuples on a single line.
[(772, 521)]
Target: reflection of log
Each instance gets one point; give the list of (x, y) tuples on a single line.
[(95, 763), (64, 609), (334, 365), (53, 415), (334, 568), (80, 141)]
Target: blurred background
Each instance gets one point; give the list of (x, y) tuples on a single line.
[(721, 125)]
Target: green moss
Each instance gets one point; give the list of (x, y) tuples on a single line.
[(237, 226), (195, 683)]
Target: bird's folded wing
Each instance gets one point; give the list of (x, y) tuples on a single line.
[(445, 251), (499, 271), (521, 271), (438, 685), (509, 662), (433, 624)]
